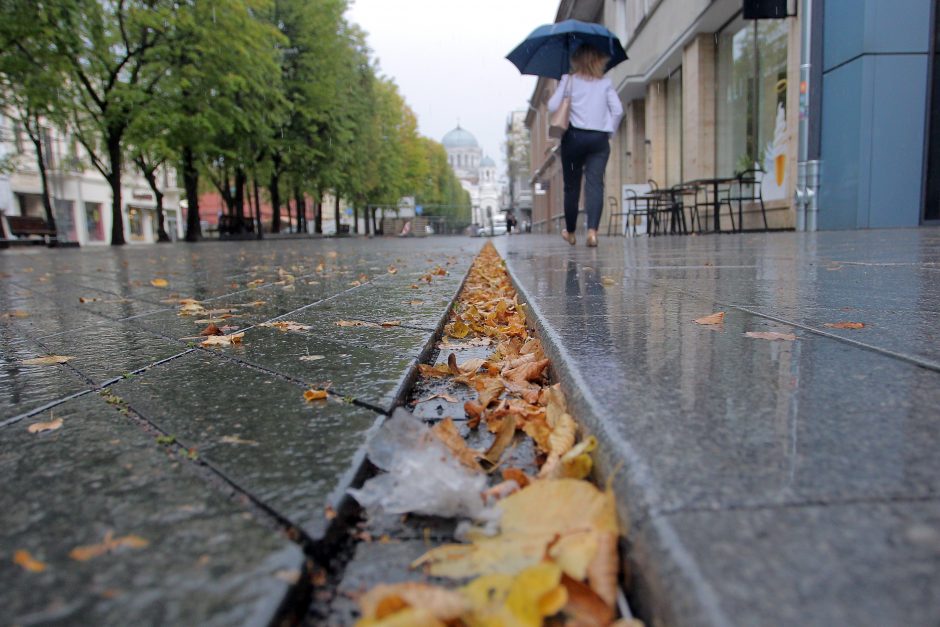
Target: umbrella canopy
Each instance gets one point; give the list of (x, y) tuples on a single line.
[(547, 51)]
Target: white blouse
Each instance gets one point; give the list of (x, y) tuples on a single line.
[(595, 105)]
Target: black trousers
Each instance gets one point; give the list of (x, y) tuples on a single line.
[(584, 153)]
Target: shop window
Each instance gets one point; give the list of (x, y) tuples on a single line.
[(752, 113), (94, 222), (135, 223)]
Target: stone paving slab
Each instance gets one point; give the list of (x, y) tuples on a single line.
[(294, 456), (714, 426), (206, 561)]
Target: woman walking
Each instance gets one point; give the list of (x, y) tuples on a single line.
[(585, 146)]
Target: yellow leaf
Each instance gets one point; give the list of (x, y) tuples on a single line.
[(159, 283), (24, 560), (315, 395), (458, 330), (608, 281), (521, 601), (39, 427), (46, 361), (16, 313)]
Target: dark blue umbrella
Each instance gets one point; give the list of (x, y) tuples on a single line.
[(547, 51)]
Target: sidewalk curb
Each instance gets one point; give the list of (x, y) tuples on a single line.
[(662, 580)]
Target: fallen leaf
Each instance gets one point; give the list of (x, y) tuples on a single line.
[(354, 323), (315, 395), (391, 323), (329, 513), (561, 518), (47, 361), (585, 606), (517, 475), (416, 302), (410, 603), (40, 427), (445, 397), (24, 560), (83, 299), (312, 357), (223, 340), (458, 330), (602, 570), (771, 335), (287, 325), (523, 600), (110, 543), (715, 318), (608, 281), (211, 330), (159, 283), (234, 439), (392, 270), (446, 431), (16, 313), (503, 439), (845, 325)]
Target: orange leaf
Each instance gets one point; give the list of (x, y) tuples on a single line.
[(585, 606), (159, 283), (503, 439), (392, 323), (315, 395), (24, 560), (715, 318), (845, 325), (517, 475), (770, 335), (110, 543)]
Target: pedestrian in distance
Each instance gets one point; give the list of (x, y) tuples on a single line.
[(585, 147), (510, 222)]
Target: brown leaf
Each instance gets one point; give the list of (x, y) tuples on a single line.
[(315, 395), (845, 325), (159, 283), (40, 427), (452, 365), (715, 318), (391, 323), (26, 561), (503, 439), (446, 431), (440, 370), (110, 543), (223, 340), (446, 397), (49, 360), (392, 270), (83, 299), (287, 325), (354, 323), (526, 372), (211, 330), (584, 606), (474, 412), (517, 475), (16, 313), (771, 335), (489, 389)]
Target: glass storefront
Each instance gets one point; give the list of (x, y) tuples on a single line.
[(94, 222), (752, 102)]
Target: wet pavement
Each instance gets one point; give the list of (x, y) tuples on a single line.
[(181, 484), (765, 482)]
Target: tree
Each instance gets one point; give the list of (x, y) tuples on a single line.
[(32, 70)]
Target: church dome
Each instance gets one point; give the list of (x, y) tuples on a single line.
[(487, 162), (459, 138)]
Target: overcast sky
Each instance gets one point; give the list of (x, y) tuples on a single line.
[(448, 59)]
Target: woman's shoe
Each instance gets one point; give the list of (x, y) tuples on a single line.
[(568, 237), (592, 239)]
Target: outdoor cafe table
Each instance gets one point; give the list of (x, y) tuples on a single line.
[(652, 198), (716, 203)]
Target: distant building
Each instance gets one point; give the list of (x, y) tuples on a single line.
[(477, 175), (518, 166), (80, 195)]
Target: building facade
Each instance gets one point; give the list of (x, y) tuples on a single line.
[(81, 197), (519, 190), (708, 93), (477, 175)]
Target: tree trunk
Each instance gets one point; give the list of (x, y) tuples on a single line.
[(150, 173), (239, 200), (355, 228), (117, 217), (257, 209), (365, 218), (336, 212), (275, 196), (375, 226), (301, 203), (191, 183), (290, 223), (34, 130), (318, 216)]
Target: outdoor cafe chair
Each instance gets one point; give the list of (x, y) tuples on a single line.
[(713, 194), (620, 217), (746, 188)]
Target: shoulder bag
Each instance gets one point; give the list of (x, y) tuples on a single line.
[(558, 123)]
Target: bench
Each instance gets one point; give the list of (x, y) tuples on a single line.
[(28, 225)]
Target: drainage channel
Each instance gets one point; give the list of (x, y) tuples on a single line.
[(377, 548)]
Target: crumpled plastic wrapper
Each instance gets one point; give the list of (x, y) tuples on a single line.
[(421, 475)]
